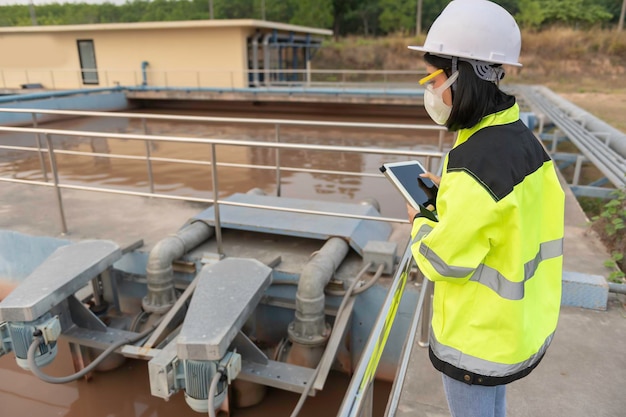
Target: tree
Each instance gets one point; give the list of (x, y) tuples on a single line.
[(397, 16), (315, 13), (530, 15)]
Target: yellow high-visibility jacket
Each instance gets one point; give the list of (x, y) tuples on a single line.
[(496, 253)]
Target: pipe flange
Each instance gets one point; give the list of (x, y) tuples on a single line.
[(308, 340), (155, 309)]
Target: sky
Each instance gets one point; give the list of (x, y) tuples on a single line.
[(41, 2)]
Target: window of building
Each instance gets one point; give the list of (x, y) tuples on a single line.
[(87, 56)]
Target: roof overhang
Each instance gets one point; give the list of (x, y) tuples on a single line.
[(187, 24)]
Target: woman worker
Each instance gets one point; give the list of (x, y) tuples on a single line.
[(495, 254)]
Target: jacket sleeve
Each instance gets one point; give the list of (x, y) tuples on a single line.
[(455, 246)]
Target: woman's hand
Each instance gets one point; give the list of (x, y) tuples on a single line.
[(434, 178), (412, 212)]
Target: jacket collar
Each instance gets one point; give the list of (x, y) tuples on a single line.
[(507, 112)]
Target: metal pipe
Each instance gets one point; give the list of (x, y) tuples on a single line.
[(608, 157), (144, 73), (277, 152), (309, 326), (148, 156), (266, 58), (42, 162), (289, 122), (216, 206), (617, 288), (159, 274), (255, 59), (617, 139)]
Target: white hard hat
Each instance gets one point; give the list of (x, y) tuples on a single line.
[(474, 29)]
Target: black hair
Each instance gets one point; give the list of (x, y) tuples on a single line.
[(472, 97)]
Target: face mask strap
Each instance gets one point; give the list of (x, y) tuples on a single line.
[(451, 81), (455, 61)]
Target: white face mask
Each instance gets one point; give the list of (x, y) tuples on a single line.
[(433, 101)]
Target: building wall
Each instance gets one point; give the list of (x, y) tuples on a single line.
[(180, 57)]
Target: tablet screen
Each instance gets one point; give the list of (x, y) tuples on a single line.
[(406, 177)]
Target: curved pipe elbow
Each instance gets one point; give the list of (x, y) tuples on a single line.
[(309, 324), (159, 274)]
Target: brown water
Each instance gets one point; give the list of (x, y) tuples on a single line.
[(196, 181), (125, 391)]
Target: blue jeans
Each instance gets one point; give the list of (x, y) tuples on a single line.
[(474, 400)]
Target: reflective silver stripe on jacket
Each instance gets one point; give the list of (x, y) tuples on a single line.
[(423, 231), (491, 277), (481, 366)]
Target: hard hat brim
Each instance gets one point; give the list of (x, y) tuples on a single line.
[(468, 56)]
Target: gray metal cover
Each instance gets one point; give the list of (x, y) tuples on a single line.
[(226, 294), (63, 273), (357, 232)]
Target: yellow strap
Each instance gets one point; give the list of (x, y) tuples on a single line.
[(370, 371), (430, 76)]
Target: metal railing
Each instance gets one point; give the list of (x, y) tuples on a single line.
[(357, 401), (48, 151), (56, 79)]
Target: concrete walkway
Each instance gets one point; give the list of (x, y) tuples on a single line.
[(582, 375)]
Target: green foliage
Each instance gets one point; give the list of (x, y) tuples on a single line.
[(611, 223), (398, 16), (572, 13), (616, 274), (345, 17), (531, 14), (315, 13)]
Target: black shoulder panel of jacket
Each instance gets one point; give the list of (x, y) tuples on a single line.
[(499, 157)]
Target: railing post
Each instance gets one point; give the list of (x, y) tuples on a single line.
[(42, 162), (148, 155), (555, 140), (52, 80), (4, 83), (55, 176), (308, 73), (216, 206), (278, 173), (441, 138), (577, 169)]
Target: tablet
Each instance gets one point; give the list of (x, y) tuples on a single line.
[(419, 192)]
